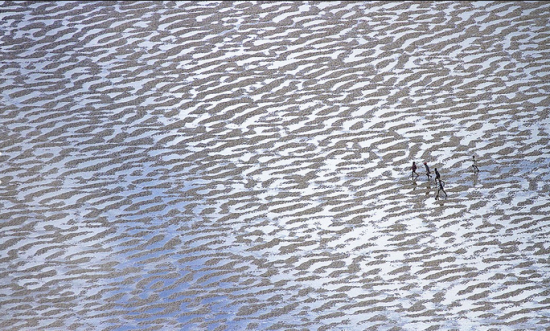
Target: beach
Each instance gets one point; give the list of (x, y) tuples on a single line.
[(247, 165)]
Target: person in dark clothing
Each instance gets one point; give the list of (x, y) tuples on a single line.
[(428, 173), (413, 168), (437, 175), (474, 166), (439, 189)]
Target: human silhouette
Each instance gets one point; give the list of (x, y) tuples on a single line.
[(474, 165), (439, 189), (428, 173), (437, 175), (413, 168)]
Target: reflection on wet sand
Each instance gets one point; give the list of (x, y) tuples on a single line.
[(246, 165)]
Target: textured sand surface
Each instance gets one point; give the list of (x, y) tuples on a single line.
[(246, 165)]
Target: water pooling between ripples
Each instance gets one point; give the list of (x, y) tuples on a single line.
[(234, 165)]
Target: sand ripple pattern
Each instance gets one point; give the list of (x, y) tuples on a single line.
[(245, 165)]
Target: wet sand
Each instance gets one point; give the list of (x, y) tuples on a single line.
[(239, 165)]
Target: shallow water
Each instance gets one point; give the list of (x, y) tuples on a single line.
[(245, 165)]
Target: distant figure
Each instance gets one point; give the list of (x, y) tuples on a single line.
[(428, 173), (440, 188), (437, 175), (413, 168), (474, 166)]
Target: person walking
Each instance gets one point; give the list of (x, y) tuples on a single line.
[(440, 189), (474, 166), (437, 175), (428, 173), (413, 168)]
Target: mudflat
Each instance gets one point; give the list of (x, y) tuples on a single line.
[(246, 165)]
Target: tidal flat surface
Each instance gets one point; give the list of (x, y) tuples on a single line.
[(246, 165)]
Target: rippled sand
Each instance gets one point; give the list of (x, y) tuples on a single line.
[(246, 165)]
